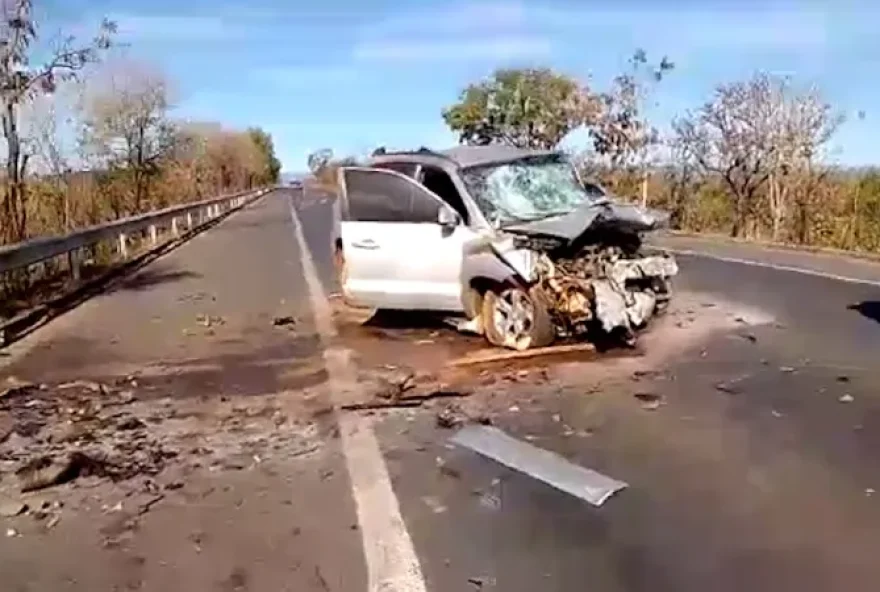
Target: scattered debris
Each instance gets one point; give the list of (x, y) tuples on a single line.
[(81, 434), (869, 491), (847, 398), (434, 504), (842, 378), (733, 386), (749, 337), (7, 426), (13, 387), (649, 401), (83, 384), (10, 507), (43, 472), (11, 532), (487, 356), (786, 369), (450, 417), (637, 375), (393, 388), (209, 320), (729, 388), (145, 507), (775, 413), (286, 321), (130, 423), (404, 402), (449, 471)]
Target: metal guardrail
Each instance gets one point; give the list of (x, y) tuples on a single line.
[(24, 254)]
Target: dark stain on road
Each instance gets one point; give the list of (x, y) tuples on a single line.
[(153, 276)]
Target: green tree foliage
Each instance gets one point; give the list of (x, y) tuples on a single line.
[(272, 166), (528, 108)]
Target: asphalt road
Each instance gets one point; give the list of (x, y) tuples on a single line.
[(757, 472)]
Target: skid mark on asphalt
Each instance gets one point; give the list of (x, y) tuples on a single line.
[(392, 564)]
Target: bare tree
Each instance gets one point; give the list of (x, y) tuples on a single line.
[(126, 124), (319, 160), (804, 123), (622, 132), (48, 126), (683, 176), (731, 136), (20, 81), (754, 134)]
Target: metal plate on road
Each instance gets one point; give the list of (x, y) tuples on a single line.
[(538, 463)]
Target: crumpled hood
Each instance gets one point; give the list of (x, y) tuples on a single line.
[(594, 215)]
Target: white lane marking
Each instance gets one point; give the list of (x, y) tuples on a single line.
[(392, 563), (791, 268)]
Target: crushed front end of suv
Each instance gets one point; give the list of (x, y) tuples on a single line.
[(512, 241)]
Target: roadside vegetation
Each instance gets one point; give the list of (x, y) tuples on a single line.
[(89, 135), (755, 161)]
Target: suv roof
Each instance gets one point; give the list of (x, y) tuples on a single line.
[(459, 156)]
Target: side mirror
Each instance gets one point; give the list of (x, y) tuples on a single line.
[(447, 217)]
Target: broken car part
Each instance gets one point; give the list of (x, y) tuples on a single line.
[(546, 466)]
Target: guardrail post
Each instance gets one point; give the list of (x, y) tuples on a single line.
[(174, 230), (154, 234), (189, 220), (74, 259), (123, 245)]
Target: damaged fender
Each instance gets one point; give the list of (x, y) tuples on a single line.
[(497, 261)]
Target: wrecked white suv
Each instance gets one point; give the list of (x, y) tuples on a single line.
[(511, 239)]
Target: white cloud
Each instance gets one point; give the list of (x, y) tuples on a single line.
[(499, 48)]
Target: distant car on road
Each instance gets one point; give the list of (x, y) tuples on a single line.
[(511, 238), (296, 183)]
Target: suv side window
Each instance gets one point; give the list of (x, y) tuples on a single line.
[(375, 195), (437, 180), (404, 168)]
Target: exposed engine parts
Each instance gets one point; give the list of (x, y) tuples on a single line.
[(616, 289)]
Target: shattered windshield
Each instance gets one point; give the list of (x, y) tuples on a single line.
[(527, 189)]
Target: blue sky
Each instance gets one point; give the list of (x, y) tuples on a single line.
[(355, 74)]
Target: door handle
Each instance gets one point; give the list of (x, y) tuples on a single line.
[(365, 244)]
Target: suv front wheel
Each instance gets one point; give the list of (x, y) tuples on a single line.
[(517, 318)]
